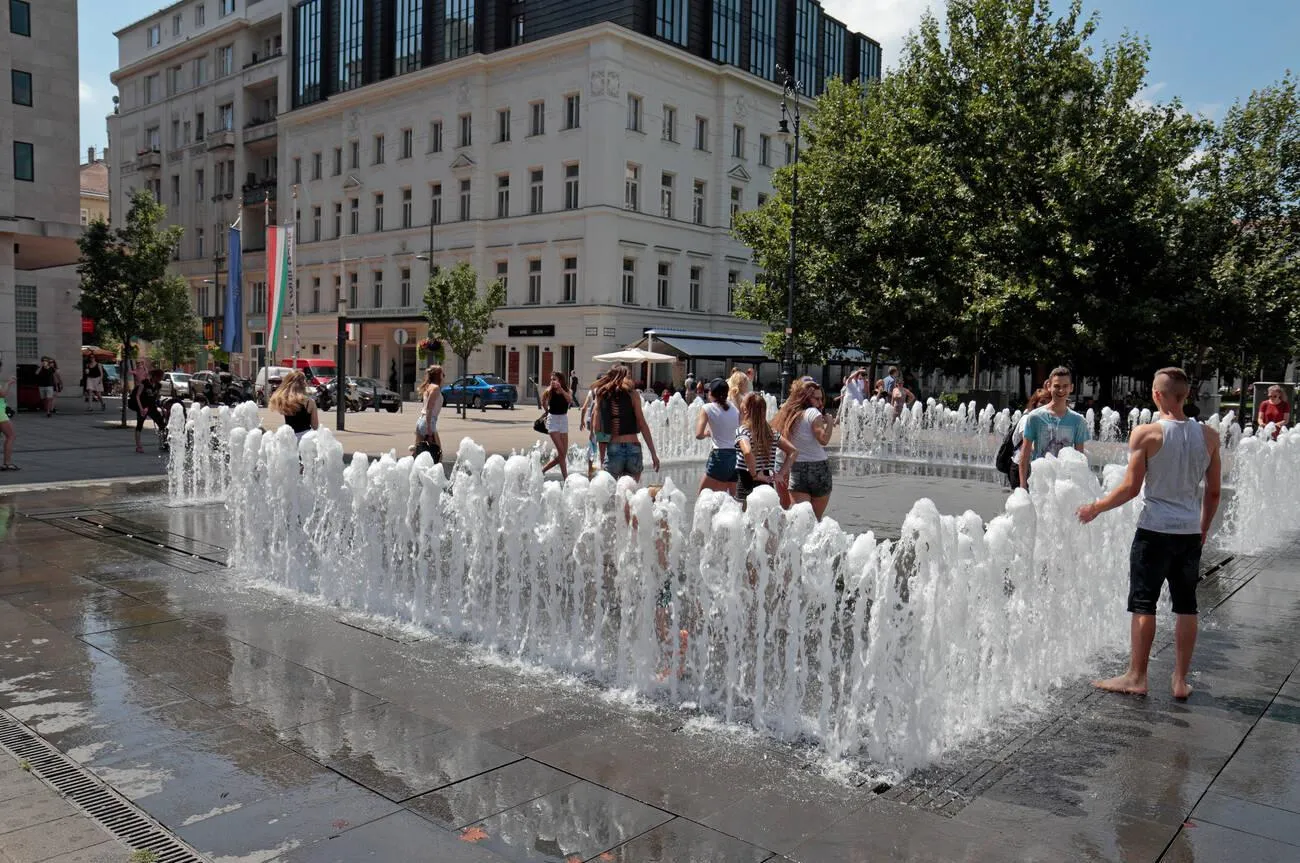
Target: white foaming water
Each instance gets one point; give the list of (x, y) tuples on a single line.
[(199, 447), (1265, 490)]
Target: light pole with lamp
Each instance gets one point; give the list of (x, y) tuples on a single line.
[(340, 357), (791, 89)]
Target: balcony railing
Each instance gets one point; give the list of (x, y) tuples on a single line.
[(263, 58), (260, 130), (220, 138), (148, 159), (257, 193)]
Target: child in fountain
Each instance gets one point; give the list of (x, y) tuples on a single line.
[(1175, 462), (1053, 427)]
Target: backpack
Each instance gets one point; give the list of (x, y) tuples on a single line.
[(1002, 461)]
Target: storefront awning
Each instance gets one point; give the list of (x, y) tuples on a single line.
[(702, 347)]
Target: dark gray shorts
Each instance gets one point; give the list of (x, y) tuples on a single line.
[(812, 478)]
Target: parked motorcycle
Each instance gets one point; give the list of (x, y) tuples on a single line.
[(327, 397)]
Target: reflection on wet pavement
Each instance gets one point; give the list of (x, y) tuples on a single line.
[(261, 729)]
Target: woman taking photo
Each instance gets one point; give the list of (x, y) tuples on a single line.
[(292, 402), (802, 422), (618, 414), (719, 421), (557, 400), (758, 445), (426, 424)]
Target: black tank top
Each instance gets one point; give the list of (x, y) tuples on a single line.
[(300, 421), (617, 414), (557, 404), (94, 371)]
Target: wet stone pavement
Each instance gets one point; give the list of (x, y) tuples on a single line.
[(255, 728)]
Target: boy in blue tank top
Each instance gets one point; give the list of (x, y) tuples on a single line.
[(1175, 460)]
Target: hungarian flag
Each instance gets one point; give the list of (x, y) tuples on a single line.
[(279, 281)]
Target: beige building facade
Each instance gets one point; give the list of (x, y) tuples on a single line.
[(94, 188), (39, 223)]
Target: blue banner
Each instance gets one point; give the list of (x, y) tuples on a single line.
[(232, 337)]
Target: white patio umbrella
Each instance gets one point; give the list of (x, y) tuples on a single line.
[(634, 355)]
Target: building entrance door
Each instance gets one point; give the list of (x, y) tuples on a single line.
[(532, 369)]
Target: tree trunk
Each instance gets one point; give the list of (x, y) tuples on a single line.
[(123, 365), (464, 370)]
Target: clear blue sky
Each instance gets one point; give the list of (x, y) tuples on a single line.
[(1208, 52)]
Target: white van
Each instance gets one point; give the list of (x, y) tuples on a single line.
[(268, 378)]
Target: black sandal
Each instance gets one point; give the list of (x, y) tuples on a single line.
[(10, 467)]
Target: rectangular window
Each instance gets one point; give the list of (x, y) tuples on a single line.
[(632, 187), (697, 206), (198, 184), (572, 111), (702, 133), (379, 211), (176, 190), (571, 187), (406, 208), (535, 187), (762, 199), (349, 27), (534, 282), (464, 200), (633, 112), (154, 33), (198, 243), (570, 294), (353, 285), (736, 193), (226, 7), (435, 206), (185, 136), (671, 20), (200, 15), (670, 123), (380, 145), (338, 161), (458, 29), (225, 60), (354, 155), (466, 130), (503, 125), (315, 166), (176, 24), (20, 24), (315, 223), (765, 150), (733, 279), (150, 89), (176, 134), (22, 87), (834, 35), (226, 114), (200, 71), (503, 276), (537, 119), (666, 195), (354, 216), (338, 219), (297, 170), (503, 196), (315, 295), (664, 285), (405, 288), (629, 281), (517, 30), (807, 26), (24, 162), (726, 32), (499, 361), (408, 35), (307, 53), (696, 278), (173, 80), (408, 138), (377, 287), (435, 136), (738, 142)]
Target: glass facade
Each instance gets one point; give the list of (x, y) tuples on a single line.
[(868, 59), (349, 70), (671, 17), (807, 25), (762, 39), (307, 53), (726, 31), (408, 36), (458, 29), (834, 36)]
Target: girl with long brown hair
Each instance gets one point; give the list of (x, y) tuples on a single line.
[(801, 421), (292, 402), (618, 414), (426, 425), (557, 400), (758, 445)]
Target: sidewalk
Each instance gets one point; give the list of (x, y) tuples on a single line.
[(39, 826)]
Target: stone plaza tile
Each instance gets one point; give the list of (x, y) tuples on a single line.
[(1270, 822), (41, 842), (1208, 841), (680, 840), (486, 794), (401, 836)]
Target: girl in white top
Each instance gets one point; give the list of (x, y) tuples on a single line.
[(802, 422), (426, 426), (718, 421)]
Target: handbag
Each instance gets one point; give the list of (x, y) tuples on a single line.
[(539, 425), (431, 447)]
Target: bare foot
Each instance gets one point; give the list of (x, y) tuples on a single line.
[(1128, 683), (1181, 689)]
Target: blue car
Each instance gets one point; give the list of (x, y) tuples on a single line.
[(479, 391)]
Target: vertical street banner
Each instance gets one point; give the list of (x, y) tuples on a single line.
[(232, 335), (279, 281)]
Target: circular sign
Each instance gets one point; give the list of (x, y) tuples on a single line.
[(401, 336)]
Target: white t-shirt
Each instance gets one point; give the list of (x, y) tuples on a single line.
[(723, 421), (805, 443), (855, 389)]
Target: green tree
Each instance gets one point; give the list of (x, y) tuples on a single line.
[(125, 286), (178, 334), (458, 313)]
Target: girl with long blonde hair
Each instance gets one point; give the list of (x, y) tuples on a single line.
[(738, 386), (291, 401), (426, 425)]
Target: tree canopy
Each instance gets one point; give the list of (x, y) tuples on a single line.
[(458, 313)]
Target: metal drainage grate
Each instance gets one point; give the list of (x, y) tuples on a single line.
[(90, 795)]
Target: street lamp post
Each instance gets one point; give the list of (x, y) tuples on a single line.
[(340, 376), (791, 88)]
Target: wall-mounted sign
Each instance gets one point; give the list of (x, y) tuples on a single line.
[(524, 331)]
